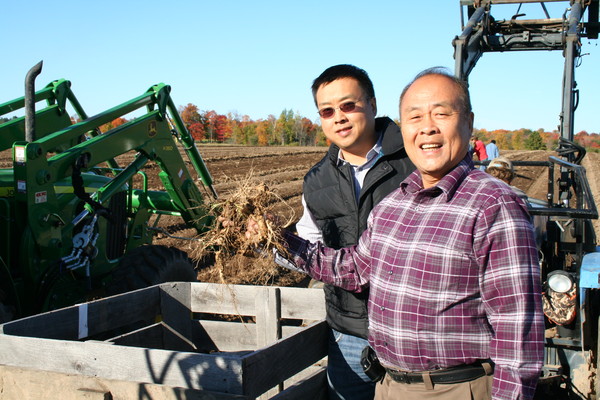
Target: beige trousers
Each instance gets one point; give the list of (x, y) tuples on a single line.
[(477, 389)]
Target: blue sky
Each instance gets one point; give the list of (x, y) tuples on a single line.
[(258, 58)]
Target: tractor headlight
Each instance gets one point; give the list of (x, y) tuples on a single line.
[(560, 281)]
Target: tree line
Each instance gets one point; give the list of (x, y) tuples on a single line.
[(287, 129), (292, 129), (527, 139)]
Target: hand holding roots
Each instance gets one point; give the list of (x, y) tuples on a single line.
[(245, 225)]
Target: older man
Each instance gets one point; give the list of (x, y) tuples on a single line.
[(451, 263)]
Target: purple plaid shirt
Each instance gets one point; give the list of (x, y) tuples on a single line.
[(454, 278)]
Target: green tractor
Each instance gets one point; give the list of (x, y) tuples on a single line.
[(74, 224)]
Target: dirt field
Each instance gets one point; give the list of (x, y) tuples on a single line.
[(282, 170)]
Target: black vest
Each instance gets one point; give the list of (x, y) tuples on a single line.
[(329, 193)]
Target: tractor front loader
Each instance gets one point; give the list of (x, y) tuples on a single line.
[(74, 224)]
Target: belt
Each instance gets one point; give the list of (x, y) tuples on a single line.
[(463, 373)]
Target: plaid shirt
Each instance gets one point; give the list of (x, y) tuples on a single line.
[(454, 278)]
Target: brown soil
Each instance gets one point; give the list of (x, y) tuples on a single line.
[(282, 170)]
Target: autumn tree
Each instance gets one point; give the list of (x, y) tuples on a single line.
[(112, 124), (197, 130), (262, 132), (193, 121), (210, 119), (550, 139), (189, 114), (518, 138)]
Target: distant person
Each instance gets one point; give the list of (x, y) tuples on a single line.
[(479, 150), (492, 150), (365, 162), (502, 168)]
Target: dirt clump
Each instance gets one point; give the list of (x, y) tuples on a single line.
[(225, 254)]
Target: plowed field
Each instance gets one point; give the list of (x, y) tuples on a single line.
[(282, 170)]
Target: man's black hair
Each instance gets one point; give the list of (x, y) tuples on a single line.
[(344, 71)]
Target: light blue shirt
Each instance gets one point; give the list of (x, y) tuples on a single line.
[(492, 151)]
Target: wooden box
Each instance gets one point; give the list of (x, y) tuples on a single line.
[(191, 340)]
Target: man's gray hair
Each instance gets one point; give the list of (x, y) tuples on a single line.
[(462, 85)]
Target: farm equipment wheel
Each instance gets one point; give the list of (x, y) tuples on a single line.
[(150, 265), (6, 313)]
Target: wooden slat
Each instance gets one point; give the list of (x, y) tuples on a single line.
[(224, 336), (156, 336), (268, 326), (28, 384), (268, 316), (284, 359), (299, 303), (150, 337), (223, 299), (302, 303), (98, 316), (219, 373), (312, 387), (175, 299)]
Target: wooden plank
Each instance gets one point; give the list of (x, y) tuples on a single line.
[(296, 303), (292, 330), (175, 299), (212, 336), (268, 316), (224, 336), (175, 341), (302, 303), (223, 299), (92, 318), (29, 384), (268, 326), (284, 359), (312, 387), (219, 373)]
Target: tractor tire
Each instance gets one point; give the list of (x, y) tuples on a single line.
[(150, 265), (7, 313)]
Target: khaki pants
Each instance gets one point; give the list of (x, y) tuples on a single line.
[(477, 389)]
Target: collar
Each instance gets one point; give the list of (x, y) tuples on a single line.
[(372, 155), (389, 140), (448, 185)]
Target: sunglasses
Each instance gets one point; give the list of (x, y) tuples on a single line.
[(329, 112)]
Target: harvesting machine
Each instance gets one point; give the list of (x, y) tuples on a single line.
[(569, 256)]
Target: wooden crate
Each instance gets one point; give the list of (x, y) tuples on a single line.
[(228, 341)]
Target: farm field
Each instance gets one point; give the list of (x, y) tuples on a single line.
[(282, 170)]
